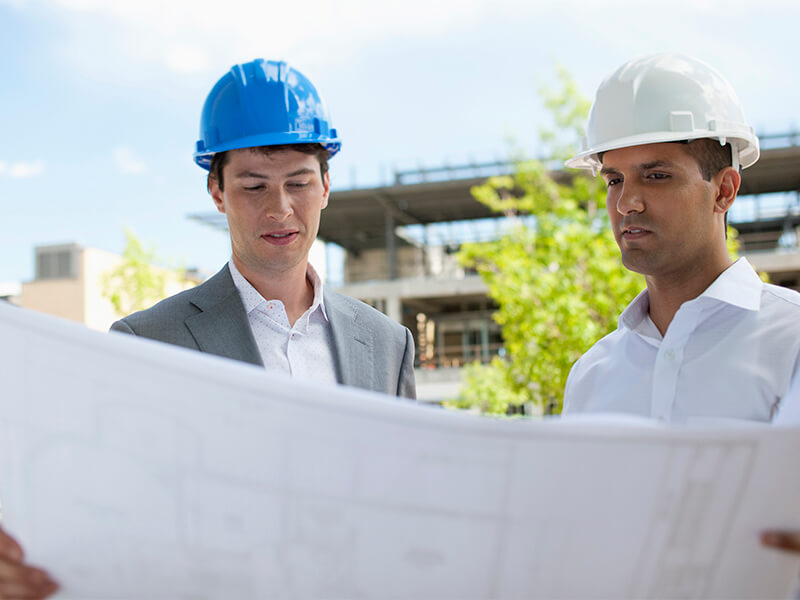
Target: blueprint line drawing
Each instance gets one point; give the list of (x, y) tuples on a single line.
[(133, 470)]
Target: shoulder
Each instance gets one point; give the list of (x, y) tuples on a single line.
[(779, 314), (362, 313), (604, 347), (171, 312), (781, 297), (178, 306), (163, 321), (599, 361)]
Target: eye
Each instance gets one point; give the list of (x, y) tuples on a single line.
[(298, 184), (613, 181), (254, 188), (658, 175)]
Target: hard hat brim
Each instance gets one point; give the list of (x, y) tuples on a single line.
[(588, 159), (332, 145)]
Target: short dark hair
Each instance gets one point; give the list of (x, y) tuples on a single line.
[(220, 159), (711, 156)]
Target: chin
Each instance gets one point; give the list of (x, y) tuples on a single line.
[(643, 267)]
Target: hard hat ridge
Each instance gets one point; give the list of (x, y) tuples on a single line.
[(665, 98), (263, 103)]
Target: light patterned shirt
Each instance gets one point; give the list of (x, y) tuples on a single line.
[(302, 350)]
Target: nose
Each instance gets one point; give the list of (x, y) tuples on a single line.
[(279, 205), (629, 200)]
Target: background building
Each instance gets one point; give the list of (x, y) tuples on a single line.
[(68, 283)]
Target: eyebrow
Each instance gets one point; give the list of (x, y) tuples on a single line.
[(607, 170), (654, 164), (301, 171)]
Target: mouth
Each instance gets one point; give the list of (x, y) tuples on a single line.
[(280, 238), (631, 232)]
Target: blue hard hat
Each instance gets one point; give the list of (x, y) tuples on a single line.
[(263, 103)]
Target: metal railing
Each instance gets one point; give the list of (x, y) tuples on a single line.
[(770, 140), (457, 355), (451, 173), (474, 169), (765, 207)]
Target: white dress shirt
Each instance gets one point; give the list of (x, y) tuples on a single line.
[(730, 353), (789, 410), (303, 350)]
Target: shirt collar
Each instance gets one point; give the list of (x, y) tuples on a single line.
[(637, 312), (251, 298), (738, 285), (316, 282)]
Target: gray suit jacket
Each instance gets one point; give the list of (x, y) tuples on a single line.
[(371, 351)]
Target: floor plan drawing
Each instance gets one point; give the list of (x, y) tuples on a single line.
[(135, 470)]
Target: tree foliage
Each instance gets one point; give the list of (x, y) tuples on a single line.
[(559, 284), (137, 283)]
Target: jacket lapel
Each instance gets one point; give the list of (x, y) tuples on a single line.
[(222, 327), (352, 343)]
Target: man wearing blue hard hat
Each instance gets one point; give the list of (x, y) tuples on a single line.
[(265, 139)]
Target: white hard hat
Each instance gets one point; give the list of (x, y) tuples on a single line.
[(665, 98)]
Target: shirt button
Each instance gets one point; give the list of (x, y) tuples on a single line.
[(669, 355)]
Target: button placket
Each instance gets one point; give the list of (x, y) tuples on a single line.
[(669, 361)]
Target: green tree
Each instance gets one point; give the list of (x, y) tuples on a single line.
[(137, 283), (559, 283)]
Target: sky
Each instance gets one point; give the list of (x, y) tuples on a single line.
[(101, 99)]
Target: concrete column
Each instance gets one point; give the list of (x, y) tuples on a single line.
[(394, 308), (484, 340), (391, 246)]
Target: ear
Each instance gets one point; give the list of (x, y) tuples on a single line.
[(326, 186), (727, 184), (216, 193)]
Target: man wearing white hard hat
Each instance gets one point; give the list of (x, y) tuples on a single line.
[(707, 339)]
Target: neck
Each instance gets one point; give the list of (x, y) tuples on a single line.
[(291, 287), (668, 292)]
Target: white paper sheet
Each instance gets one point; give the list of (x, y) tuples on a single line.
[(133, 470)]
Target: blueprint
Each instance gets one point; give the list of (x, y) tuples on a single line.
[(130, 469)]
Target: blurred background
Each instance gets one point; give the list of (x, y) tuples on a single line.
[(101, 100)]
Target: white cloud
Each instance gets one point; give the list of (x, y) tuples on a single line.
[(185, 59), (184, 45), (80, 5), (21, 169), (186, 37), (127, 161), (167, 33)]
